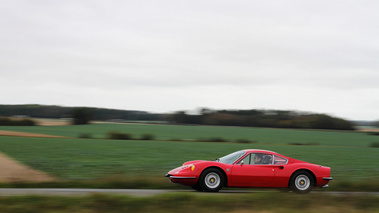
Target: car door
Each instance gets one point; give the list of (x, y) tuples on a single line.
[(247, 173), (282, 174)]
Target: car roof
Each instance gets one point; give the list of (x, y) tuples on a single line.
[(260, 150)]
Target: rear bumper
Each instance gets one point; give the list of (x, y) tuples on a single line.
[(326, 180)]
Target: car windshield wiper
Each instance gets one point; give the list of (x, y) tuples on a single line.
[(217, 160)]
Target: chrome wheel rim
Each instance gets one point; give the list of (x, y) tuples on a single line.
[(302, 182), (212, 180)]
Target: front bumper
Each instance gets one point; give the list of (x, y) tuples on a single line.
[(178, 177), (183, 180)]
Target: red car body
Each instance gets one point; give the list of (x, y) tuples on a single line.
[(240, 170)]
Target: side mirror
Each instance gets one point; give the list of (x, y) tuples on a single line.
[(241, 163)]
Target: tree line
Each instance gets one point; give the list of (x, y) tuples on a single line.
[(249, 118), (52, 111), (263, 118)]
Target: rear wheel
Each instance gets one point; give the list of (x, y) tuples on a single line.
[(211, 180), (302, 182)]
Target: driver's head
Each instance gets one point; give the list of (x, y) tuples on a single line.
[(258, 158)]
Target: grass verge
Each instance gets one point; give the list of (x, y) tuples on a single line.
[(193, 202)]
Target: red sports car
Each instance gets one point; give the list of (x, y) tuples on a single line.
[(251, 168)]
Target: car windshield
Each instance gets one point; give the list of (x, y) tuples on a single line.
[(231, 158)]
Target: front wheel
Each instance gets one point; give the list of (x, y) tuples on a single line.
[(211, 180), (197, 188), (302, 182)]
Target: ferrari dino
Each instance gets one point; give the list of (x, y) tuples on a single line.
[(251, 168)]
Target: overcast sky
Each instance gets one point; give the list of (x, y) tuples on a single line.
[(163, 56)]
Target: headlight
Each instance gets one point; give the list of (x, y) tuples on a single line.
[(191, 166)]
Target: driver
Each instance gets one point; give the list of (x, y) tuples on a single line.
[(258, 159)]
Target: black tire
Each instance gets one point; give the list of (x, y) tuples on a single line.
[(211, 180), (197, 188), (302, 182)]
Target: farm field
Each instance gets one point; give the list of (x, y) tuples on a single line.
[(347, 153), (172, 132)]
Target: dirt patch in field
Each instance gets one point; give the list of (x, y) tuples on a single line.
[(26, 134), (13, 171), (369, 130), (52, 122)]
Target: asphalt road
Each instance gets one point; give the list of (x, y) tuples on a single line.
[(82, 192), (138, 192)]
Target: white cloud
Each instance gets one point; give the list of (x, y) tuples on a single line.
[(177, 55)]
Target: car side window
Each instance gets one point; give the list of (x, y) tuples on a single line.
[(257, 159), (264, 159), (246, 160), (267, 159), (279, 160)]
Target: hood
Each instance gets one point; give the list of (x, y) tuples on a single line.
[(193, 162)]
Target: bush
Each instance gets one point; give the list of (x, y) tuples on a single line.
[(147, 137), (11, 122), (216, 139), (305, 144), (245, 141), (373, 133), (374, 144), (296, 144), (119, 136), (85, 135), (81, 116)]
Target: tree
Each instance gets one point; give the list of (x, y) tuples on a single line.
[(81, 116)]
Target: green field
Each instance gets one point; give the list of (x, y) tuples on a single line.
[(169, 132), (347, 153)]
